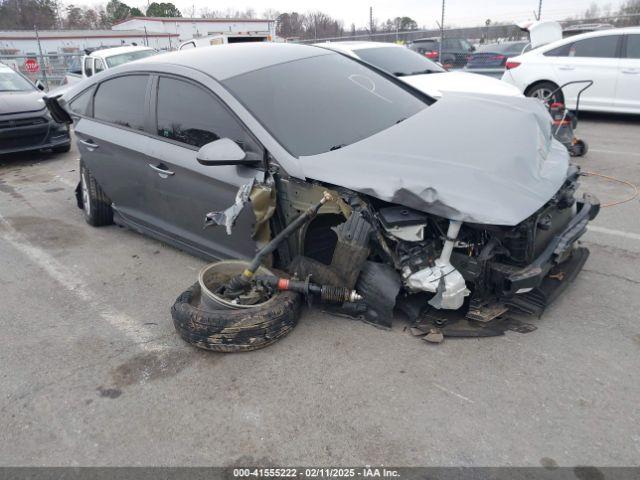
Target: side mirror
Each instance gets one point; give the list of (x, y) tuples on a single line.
[(40, 85), (224, 152)]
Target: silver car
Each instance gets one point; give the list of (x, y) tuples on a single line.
[(465, 203)]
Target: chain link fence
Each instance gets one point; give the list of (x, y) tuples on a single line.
[(50, 69)]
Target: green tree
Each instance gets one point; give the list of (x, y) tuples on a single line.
[(136, 12), (24, 14), (117, 11), (163, 10)]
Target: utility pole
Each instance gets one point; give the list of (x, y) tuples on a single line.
[(43, 67), (539, 9), (441, 34), (371, 21)]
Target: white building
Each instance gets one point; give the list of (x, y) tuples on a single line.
[(24, 42), (188, 28)]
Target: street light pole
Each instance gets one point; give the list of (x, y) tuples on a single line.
[(539, 9), (441, 33)]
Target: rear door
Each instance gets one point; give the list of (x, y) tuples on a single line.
[(628, 91), (188, 116), (596, 59), (113, 145)]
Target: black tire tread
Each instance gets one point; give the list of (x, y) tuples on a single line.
[(228, 330), (101, 211)]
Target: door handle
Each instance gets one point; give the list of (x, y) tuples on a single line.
[(89, 144), (163, 172), (566, 67), (632, 71)]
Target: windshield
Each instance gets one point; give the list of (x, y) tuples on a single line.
[(128, 57), (10, 81), (399, 61), (322, 103), (504, 48)]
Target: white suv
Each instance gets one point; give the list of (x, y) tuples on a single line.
[(611, 58)]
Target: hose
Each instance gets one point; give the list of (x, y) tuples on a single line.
[(613, 179)]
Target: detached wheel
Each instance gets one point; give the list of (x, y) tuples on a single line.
[(234, 330), (579, 148), (543, 90), (95, 204)]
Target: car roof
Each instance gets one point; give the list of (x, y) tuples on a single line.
[(596, 33), (352, 46), (225, 61), (109, 52)]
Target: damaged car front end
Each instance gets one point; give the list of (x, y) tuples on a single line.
[(365, 194)]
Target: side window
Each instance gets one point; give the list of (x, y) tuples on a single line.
[(99, 66), (88, 62), (562, 51), (633, 46), (80, 104), (121, 101), (597, 47), (191, 115)]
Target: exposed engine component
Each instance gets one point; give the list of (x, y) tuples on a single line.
[(326, 293), (403, 223), (442, 278)]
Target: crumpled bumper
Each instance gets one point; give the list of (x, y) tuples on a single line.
[(559, 250)]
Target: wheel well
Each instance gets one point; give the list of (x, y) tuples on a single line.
[(539, 82)]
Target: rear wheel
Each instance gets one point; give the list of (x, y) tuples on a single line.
[(544, 91), (96, 206)]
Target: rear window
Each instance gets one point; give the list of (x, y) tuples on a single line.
[(116, 60), (323, 103), (399, 61), (121, 101), (503, 48)]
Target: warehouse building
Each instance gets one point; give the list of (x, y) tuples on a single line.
[(188, 28), (54, 42)]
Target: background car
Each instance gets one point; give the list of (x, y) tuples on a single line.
[(454, 50), (418, 71), (25, 123), (611, 58), (491, 59), (97, 60)]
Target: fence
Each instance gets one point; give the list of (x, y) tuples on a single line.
[(50, 69)]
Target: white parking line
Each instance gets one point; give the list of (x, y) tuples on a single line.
[(450, 392), (617, 233), (615, 152), (72, 282)]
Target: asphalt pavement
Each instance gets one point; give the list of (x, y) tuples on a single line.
[(93, 373)]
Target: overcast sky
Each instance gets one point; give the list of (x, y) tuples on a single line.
[(425, 12)]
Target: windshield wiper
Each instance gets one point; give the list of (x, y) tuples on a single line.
[(336, 147)]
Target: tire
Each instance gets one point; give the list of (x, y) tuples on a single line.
[(95, 204), (542, 89), (61, 149), (232, 330)]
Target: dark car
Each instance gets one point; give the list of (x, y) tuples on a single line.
[(247, 136), (454, 50), (25, 123), (491, 59)]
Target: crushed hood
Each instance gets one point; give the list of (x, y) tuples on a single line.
[(21, 102), (480, 159), (435, 84)]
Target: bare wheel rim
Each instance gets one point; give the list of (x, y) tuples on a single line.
[(542, 94), (86, 202)]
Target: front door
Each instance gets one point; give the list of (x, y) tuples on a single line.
[(188, 117)]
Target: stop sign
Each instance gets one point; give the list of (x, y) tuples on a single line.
[(31, 65)]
